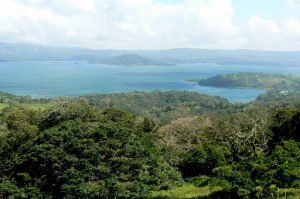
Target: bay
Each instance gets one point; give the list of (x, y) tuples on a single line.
[(52, 79)]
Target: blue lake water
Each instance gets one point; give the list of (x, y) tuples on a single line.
[(50, 79)]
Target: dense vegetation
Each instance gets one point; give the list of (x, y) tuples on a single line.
[(143, 145), (72, 150), (163, 106), (253, 80)]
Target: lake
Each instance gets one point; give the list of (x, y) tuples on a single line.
[(51, 79)]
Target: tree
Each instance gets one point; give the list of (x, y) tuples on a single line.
[(77, 151), (286, 125)]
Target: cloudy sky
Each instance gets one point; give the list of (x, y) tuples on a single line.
[(153, 24)]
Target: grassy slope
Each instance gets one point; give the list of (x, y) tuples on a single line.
[(27, 106), (288, 194), (3, 106), (34, 106), (190, 191), (185, 191)]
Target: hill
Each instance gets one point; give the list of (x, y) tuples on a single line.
[(252, 80), (132, 60), (162, 106)]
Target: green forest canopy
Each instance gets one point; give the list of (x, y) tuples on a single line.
[(172, 144)]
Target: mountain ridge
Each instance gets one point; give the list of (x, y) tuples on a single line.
[(35, 52)]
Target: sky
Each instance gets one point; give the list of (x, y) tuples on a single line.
[(153, 24)]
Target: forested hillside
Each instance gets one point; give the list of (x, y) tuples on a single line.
[(171, 145), (253, 80), (163, 106)]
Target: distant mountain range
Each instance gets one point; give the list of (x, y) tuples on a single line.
[(32, 52)]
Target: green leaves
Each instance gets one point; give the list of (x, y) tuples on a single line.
[(286, 125), (76, 151)]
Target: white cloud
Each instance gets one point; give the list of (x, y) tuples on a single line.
[(266, 34), (293, 26), (294, 3), (263, 33), (141, 24), (120, 23)]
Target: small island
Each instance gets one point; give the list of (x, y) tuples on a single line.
[(252, 80), (132, 60)]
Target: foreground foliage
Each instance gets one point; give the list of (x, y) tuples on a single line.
[(257, 166), (66, 148), (75, 151)]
